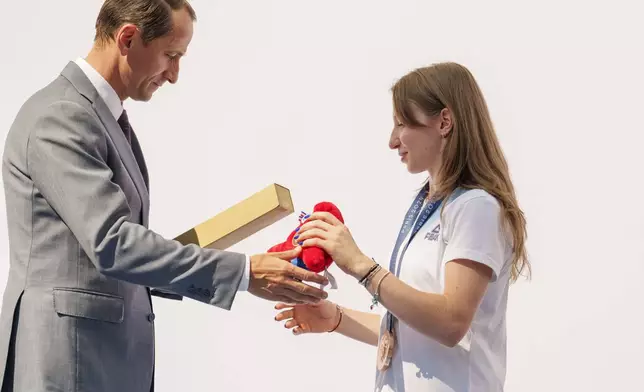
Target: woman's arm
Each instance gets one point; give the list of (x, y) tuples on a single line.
[(326, 316), (361, 326), (444, 317)]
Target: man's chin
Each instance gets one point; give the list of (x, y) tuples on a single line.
[(142, 98)]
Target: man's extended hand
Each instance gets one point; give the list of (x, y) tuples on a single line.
[(274, 278)]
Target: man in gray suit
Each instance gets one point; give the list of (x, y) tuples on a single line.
[(77, 311)]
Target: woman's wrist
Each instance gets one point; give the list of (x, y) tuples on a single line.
[(363, 267), (373, 285), (339, 313)]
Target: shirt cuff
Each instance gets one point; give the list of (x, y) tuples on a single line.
[(243, 285)]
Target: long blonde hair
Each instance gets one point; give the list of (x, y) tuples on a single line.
[(472, 157)]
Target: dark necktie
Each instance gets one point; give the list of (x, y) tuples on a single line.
[(125, 126)]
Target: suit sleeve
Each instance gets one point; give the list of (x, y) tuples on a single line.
[(66, 158)]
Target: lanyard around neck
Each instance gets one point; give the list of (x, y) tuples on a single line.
[(413, 213)]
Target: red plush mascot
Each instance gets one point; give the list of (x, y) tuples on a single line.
[(311, 258)]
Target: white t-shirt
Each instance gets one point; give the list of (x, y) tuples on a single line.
[(471, 229)]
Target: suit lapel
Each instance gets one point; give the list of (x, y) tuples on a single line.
[(138, 155), (76, 76)]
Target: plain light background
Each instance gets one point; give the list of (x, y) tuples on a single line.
[(297, 93)]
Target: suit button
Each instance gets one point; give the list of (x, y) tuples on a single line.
[(151, 317)]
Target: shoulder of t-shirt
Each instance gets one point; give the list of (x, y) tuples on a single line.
[(477, 197), (477, 205)]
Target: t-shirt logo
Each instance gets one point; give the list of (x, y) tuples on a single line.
[(433, 235)]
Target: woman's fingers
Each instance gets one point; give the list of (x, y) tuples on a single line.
[(287, 314), (324, 216), (311, 233), (317, 242), (283, 305), (315, 224), (290, 324)]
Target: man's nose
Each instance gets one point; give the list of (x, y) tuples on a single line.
[(172, 73)]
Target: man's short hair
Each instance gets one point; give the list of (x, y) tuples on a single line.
[(152, 17)]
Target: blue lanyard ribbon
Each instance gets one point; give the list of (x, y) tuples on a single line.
[(411, 216)]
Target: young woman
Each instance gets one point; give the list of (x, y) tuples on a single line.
[(461, 244)]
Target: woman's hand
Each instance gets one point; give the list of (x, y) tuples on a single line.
[(324, 230), (310, 318)]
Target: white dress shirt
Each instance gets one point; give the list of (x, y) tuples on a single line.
[(114, 104)]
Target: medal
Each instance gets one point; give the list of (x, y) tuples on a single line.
[(385, 350)]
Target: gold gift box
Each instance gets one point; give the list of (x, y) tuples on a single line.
[(242, 220)]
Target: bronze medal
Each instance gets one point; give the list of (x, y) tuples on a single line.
[(385, 350)]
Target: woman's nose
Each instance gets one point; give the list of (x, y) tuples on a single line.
[(394, 142)]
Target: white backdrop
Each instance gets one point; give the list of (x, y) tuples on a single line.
[(296, 93)]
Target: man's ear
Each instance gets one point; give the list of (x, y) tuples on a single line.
[(446, 122), (125, 37)]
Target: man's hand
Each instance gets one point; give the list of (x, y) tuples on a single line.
[(274, 278)]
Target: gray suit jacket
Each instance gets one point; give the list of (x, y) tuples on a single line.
[(77, 313)]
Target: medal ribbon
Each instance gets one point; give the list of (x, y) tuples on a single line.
[(412, 214)]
